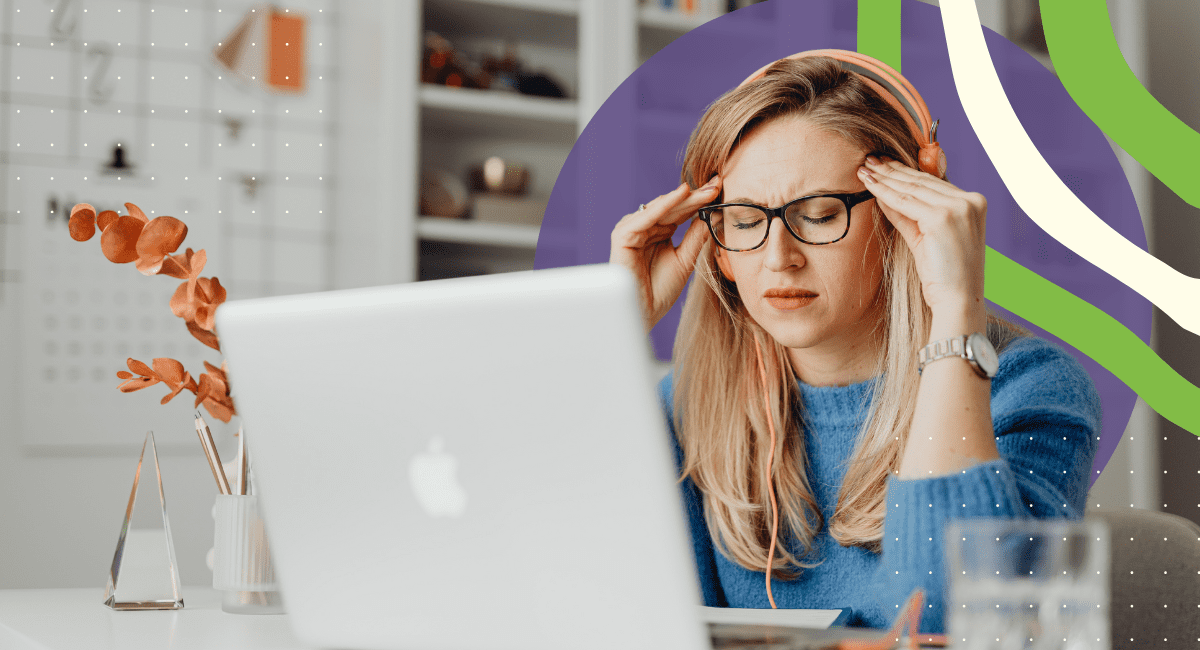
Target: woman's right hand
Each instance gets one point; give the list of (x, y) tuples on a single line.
[(641, 242)]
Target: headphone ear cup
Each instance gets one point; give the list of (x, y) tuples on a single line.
[(932, 160), (723, 264)]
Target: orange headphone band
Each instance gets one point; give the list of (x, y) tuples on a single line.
[(895, 90)]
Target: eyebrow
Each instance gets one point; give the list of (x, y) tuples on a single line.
[(812, 193)]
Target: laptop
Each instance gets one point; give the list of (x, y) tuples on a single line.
[(469, 463), (474, 463)]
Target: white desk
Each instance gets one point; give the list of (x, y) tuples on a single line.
[(76, 619)]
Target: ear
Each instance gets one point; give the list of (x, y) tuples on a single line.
[(723, 263)]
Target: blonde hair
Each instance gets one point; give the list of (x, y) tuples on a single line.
[(719, 415)]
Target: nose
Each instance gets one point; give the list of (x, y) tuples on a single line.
[(782, 251)]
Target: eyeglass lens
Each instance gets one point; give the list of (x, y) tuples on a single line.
[(818, 220)]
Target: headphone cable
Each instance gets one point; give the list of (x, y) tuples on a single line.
[(762, 375)]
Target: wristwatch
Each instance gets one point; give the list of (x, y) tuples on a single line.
[(975, 348)]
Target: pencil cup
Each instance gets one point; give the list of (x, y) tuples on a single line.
[(242, 558)]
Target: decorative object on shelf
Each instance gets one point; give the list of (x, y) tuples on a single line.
[(150, 244), (143, 574), (698, 8), (443, 194), (500, 185), (443, 64), (500, 175), (446, 65), (280, 66)]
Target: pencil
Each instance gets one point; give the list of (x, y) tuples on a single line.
[(210, 451)]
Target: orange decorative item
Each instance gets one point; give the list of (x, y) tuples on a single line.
[(150, 243)]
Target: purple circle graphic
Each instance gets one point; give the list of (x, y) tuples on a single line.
[(632, 150)]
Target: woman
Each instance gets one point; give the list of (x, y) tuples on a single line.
[(816, 433)]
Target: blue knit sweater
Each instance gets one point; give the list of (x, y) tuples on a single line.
[(1046, 415)]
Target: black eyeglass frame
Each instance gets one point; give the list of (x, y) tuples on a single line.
[(849, 200)]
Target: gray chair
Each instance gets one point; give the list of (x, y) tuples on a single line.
[(1155, 579)]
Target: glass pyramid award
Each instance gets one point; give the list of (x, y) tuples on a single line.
[(144, 574)]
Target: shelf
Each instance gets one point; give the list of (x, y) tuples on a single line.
[(678, 22), (457, 111), (549, 22), (477, 232)]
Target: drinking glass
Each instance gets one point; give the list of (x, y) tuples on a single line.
[(1028, 584)]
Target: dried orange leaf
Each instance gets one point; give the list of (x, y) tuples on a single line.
[(204, 336), (200, 293), (219, 411), (140, 368), (217, 372), (82, 206), (159, 238), (196, 262), (180, 305), (204, 316), (169, 370), (119, 242), (136, 213), (175, 267), (83, 222), (136, 384), (202, 390), (106, 219), (174, 391)]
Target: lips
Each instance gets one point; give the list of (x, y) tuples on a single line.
[(788, 298)]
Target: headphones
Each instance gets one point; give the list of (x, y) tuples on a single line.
[(896, 91)]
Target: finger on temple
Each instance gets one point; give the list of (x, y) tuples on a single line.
[(891, 188), (693, 242), (900, 169)]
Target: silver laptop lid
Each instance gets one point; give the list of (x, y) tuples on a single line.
[(466, 463)]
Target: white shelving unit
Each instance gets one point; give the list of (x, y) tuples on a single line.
[(590, 46), (460, 127)]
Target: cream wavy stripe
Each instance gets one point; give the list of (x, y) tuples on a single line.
[(1038, 190)]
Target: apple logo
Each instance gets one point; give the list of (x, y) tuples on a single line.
[(433, 475)]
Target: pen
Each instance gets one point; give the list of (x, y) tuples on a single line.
[(243, 465), (210, 451)]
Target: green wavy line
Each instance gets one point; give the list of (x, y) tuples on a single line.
[(1091, 67), (1094, 333), (1027, 294), (879, 30)]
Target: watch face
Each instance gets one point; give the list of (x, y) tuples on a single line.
[(984, 354)]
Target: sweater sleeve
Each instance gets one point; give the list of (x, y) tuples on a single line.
[(702, 548), (1046, 416)]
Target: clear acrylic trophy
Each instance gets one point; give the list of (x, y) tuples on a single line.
[(144, 574)]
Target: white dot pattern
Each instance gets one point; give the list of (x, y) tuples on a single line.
[(123, 105)]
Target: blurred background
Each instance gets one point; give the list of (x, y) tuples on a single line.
[(316, 145)]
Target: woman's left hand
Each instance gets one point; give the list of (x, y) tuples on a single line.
[(943, 226)]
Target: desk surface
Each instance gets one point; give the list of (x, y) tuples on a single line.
[(69, 619)]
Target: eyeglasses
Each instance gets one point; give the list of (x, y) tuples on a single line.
[(820, 219)]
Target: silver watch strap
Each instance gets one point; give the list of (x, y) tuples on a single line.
[(952, 347)]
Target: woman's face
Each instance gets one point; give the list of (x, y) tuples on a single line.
[(829, 331)]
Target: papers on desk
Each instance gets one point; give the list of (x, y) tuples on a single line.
[(791, 629), (813, 618)]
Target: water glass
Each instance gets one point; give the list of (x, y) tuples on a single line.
[(242, 558), (1028, 584)]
